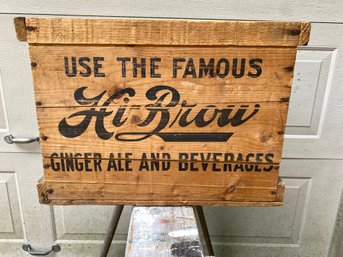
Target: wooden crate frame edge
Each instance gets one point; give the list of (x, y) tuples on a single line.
[(43, 195), (194, 32)]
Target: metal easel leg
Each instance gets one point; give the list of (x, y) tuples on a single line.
[(111, 230), (199, 214)]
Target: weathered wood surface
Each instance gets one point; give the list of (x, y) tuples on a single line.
[(163, 232), (263, 134), (271, 91), (131, 171), (106, 179), (54, 89), (59, 193), (165, 32), (20, 28), (162, 111)]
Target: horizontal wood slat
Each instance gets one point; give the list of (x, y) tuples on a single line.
[(273, 84), (180, 173), (264, 133), (165, 32), (76, 196)]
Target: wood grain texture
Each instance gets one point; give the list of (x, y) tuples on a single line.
[(20, 28), (162, 111), (42, 191), (57, 199), (54, 89), (206, 181), (162, 32), (304, 36), (155, 191), (263, 134), (225, 177), (200, 172), (280, 192)]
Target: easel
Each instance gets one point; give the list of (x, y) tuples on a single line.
[(200, 218)]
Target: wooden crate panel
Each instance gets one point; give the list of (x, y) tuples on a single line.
[(143, 171), (76, 194), (226, 74), (161, 112), (62, 133), (164, 32)]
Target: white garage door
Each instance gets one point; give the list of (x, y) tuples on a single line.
[(312, 164)]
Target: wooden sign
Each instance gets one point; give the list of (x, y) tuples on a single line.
[(161, 112)]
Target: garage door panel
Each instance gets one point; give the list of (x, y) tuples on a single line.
[(314, 125), (11, 225), (17, 104), (302, 227), (310, 92), (88, 222), (316, 10)]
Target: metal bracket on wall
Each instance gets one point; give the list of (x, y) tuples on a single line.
[(10, 139), (28, 248)]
